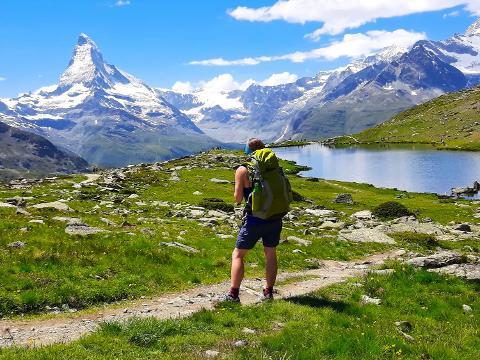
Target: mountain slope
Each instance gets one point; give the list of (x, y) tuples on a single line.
[(26, 154), (450, 121), (105, 115)]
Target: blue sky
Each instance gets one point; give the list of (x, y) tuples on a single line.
[(157, 41)]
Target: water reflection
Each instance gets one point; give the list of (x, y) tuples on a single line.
[(408, 167)]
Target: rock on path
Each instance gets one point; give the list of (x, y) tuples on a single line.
[(64, 329)]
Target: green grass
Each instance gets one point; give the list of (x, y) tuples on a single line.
[(54, 268), (329, 324), (451, 121)]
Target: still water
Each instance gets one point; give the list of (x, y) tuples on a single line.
[(415, 168)]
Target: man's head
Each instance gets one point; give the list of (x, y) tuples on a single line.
[(253, 144)]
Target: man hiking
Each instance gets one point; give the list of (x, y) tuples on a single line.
[(267, 194)]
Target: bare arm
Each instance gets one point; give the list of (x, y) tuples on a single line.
[(240, 178)]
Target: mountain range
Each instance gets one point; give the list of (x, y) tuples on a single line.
[(105, 115), (110, 118), (361, 95)]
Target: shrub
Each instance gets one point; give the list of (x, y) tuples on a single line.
[(391, 210), (216, 204)]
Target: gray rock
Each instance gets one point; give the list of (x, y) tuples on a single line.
[(219, 181), (16, 245), (437, 260), (466, 308), (37, 221), (22, 211), (57, 205), (240, 343), (212, 354), (299, 241), (197, 193), (466, 271), (319, 212), (248, 331), (366, 235), (344, 199), (180, 246), (6, 205), (363, 215), (332, 225), (81, 229), (365, 299)]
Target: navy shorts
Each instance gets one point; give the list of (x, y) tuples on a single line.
[(251, 231)]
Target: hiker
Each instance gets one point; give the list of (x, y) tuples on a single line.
[(267, 194)]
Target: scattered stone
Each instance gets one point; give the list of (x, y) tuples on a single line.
[(332, 225), (438, 260), (466, 308), (133, 196), (57, 205), (344, 199), (22, 211), (180, 246), (212, 354), (37, 221), (404, 326), (219, 181), (108, 222), (363, 215), (16, 245), (365, 299), (6, 205), (466, 271), (299, 241), (81, 229), (248, 331), (464, 228), (320, 212), (240, 343), (366, 235), (383, 271), (197, 193), (18, 200), (225, 236), (297, 251)]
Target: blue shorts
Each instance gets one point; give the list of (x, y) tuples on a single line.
[(251, 231)]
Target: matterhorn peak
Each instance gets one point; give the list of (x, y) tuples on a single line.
[(474, 29), (88, 68)]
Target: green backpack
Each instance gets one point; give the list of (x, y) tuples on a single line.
[(272, 194)]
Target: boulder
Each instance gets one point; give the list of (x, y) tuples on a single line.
[(57, 205), (363, 215), (466, 271), (332, 225), (366, 235), (344, 199), (6, 205), (319, 212), (365, 299), (299, 241), (438, 260)]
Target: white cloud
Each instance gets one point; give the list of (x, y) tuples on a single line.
[(224, 83), (183, 87), (451, 14), (2, 78), (121, 3), (279, 78), (351, 46), (338, 16)]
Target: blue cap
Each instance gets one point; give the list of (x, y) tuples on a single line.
[(247, 149)]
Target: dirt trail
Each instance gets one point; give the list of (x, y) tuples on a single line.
[(64, 329)]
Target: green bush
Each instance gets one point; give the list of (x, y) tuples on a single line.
[(216, 204), (391, 210)]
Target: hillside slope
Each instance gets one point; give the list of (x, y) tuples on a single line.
[(449, 121), (23, 153)]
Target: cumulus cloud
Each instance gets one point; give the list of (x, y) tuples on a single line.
[(121, 3), (351, 46), (224, 83), (183, 87), (340, 15), (279, 78)]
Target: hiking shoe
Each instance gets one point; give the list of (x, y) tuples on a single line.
[(228, 298), (267, 295)]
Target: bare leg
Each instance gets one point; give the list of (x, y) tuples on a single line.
[(237, 267), (271, 265)]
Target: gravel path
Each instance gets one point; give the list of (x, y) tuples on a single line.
[(63, 329)]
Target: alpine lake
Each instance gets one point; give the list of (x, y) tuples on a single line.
[(414, 168)]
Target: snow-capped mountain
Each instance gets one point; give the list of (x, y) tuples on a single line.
[(105, 115), (362, 94)]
